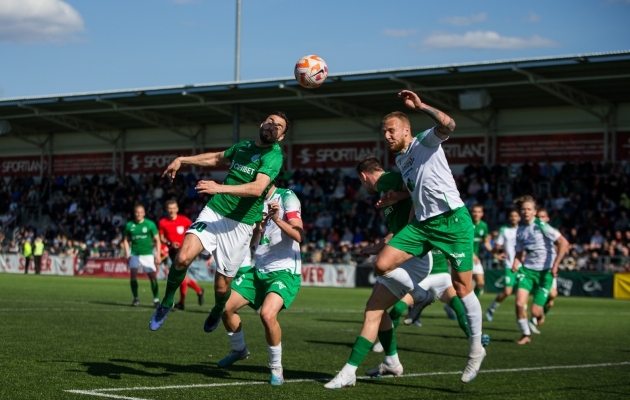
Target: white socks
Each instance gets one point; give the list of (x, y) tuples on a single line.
[(392, 361), (493, 307), (349, 369), (275, 355), (473, 317), (524, 325), (237, 339), (400, 280)]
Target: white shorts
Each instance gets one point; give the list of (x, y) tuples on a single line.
[(144, 264), (417, 268), (226, 238), (554, 283), (437, 283), (477, 268)]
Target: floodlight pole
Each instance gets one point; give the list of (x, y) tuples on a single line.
[(237, 66), (236, 123)]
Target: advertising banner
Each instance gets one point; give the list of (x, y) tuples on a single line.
[(328, 275), (557, 147), (86, 163), (622, 147), (154, 161), (23, 166), (569, 283), (465, 150), (622, 286), (334, 155), (51, 265), (105, 267)]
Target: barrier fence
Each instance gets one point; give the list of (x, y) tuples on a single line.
[(582, 284)]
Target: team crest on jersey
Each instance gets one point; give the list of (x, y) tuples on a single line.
[(144, 229), (481, 232), (180, 230), (280, 285), (255, 157)]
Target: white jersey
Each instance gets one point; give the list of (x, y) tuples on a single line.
[(507, 239), (276, 250), (428, 177), (247, 261), (536, 240)]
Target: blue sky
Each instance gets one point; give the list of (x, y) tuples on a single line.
[(65, 46)]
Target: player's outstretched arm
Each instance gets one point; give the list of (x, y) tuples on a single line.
[(251, 189), (445, 124), (199, 160)]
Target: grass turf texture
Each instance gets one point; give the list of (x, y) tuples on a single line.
[(62, 333)]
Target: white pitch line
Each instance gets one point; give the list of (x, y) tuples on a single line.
[(99, 392)]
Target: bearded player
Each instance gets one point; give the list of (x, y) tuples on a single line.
[(273, 283), (224, 226), (172, 230)]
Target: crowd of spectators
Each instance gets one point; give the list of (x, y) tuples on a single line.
[(588, 202)]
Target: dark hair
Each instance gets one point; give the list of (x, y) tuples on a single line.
[(478, 206), (282, 115), (369, 164), (168, 203)]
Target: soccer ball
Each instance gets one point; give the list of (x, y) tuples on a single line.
[(311, 71)]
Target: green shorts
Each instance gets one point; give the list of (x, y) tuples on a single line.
[(509, 278), (255, 286), (538, 283), (451, 232)]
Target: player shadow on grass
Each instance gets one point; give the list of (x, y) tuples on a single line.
[(115, 371), (390, 382), (342, 321), (120, 304)]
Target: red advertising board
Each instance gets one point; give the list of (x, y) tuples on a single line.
[(623, 146), (465, 150), (86, 163), (334, 155), (557, 147), (108, 267), (154, 161), (23, 166)]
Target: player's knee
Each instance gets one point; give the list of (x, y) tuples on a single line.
[(381, 267), (268, 317), (183, 260)]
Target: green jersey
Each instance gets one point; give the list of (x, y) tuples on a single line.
[(440, 265), (141, 237), (248, 160), (481, 232), (397, 215)]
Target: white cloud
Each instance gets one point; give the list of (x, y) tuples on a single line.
[(35, 21), (465, 21), (399, 32), (533, 17), (484, 40)]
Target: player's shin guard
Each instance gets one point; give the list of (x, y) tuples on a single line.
[(397, 312), (134, 288), (237, 340), (219, 303), (174, 280), (458, 307), (275, 355), (400, 280), (360, 349), (473, 317), (524, 325)]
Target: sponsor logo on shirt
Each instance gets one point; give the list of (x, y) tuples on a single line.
[(243, 168), (408, 164)]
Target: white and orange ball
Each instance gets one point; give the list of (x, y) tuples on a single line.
[(311, 71)]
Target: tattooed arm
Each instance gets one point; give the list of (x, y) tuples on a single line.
[(445, 124)]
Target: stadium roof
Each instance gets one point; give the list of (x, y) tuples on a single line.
[(594, 82)]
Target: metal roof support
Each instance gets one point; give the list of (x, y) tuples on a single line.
[(446, 101), (23, 134), (74, 123), (153, 118), (611, 129), (247, 114), (573, 96), (361, 116), (236, 123)]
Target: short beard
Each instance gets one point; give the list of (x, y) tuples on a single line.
[(264, 140), (398, 146)]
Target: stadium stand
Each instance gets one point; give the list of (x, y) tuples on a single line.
[(85, 215)]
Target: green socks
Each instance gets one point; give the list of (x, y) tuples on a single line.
[(388, 340), (173, 282), (134, 288), (396, 312), (219, 303), (458, 307), (360, 349), (154, 289)]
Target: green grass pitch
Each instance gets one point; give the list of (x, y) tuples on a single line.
[(60, 334)]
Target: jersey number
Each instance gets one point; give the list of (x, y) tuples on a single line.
[(199, 226)]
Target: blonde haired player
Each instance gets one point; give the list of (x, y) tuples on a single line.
[(536, 269)]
